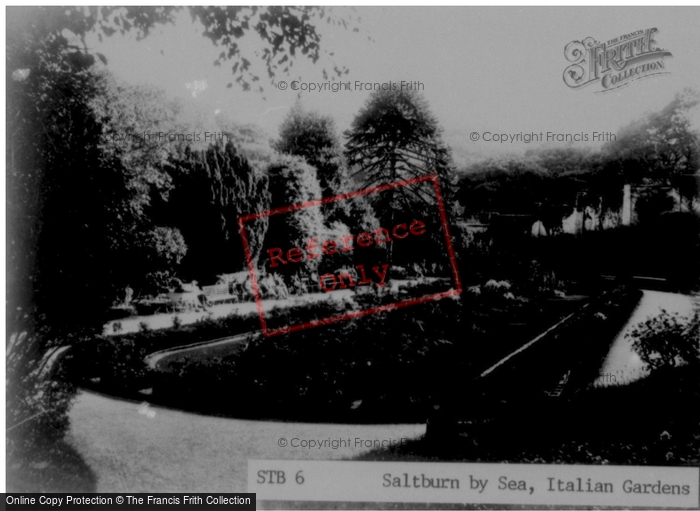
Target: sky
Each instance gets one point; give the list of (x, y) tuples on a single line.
[(481, 69)]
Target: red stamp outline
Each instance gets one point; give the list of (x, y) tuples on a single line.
[(354, 314)]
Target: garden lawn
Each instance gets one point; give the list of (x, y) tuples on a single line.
[(133, 447)]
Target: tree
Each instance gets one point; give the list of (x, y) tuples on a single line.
[(133, 118), (250, 140), (292, 181), (211, 189), (79, 207), (283, 31), (396, 137), (545, 183), (72, 213), (313, 137), (505, 185), (661, 149), (67, 200)]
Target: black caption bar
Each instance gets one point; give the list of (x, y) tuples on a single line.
[(128, 501)]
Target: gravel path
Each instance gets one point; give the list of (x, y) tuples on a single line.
[(135, 447), (157, 321)]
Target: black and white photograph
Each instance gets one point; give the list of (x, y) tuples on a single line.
[(352, 257)]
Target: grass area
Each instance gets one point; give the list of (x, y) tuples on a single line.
[(137, 448)]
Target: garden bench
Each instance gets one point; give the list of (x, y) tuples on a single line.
[(219, 293)]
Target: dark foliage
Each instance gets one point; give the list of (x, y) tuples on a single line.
[(395, 137), (39, 395), (605, 426), (351, 370), (293, 182), (578, 345), (212, 189), (312, 137), (658, 154), (69, 217), (668, 341)]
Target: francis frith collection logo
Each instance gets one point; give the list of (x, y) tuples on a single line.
[(615, 63)]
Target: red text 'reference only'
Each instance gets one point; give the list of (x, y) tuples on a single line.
[(330, 247)]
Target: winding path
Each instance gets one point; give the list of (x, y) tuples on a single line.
[(217, 347)]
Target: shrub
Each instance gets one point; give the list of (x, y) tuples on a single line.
[(38, 399), (118, 362), (668, 340)]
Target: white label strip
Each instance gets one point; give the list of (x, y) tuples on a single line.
[(475, 483)]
